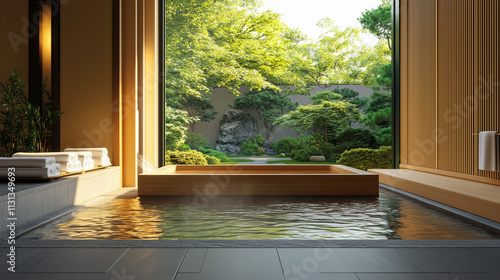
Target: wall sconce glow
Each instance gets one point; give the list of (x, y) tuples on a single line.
[(46, 42)]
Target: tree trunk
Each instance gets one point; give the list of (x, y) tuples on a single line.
[(269, 136)]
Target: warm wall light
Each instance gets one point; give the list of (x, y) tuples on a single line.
[(46, 42)]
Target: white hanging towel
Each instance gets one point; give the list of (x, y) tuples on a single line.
[(74, 166), (488, 153), (59, 156), (32, 162), (41, 172), (96, 152)]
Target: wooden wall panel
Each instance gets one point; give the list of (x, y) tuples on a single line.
[(421, 82), (450, 83)]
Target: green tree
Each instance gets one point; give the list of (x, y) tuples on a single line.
[(385, 76), (327, 95), (379, 22), (378, 119), (269, 105), (175, 127), (378, 101), (225, 43), (197, 106), (315, 119)]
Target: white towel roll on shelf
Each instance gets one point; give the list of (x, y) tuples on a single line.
[(32, 162), (41, 172), (74, 166), (59, 156), (88, 164), (102, 161), (96, 152)]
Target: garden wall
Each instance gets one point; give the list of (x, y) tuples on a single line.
[(221, 98)]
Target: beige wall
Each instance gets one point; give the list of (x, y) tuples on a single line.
[(14, 36), (449, 84), (221, 98), (86, 74)]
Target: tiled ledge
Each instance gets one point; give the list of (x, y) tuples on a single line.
[(37, 200)]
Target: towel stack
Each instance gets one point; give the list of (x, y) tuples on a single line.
[(30, 167), (68, 161), (99, 155), (86, 159)]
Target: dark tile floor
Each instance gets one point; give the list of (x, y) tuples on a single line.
[(254, 263)]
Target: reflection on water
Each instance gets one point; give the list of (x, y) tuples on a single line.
[(390, 216)]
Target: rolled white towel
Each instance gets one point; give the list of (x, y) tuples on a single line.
[(84, 155), (88, 164), (27, 161), (26, 172), (74, 166), (59, 156), (102, 161), (96, 152)]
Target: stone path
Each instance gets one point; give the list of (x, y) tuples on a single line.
[(260, 160)]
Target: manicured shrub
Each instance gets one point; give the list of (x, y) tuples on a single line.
[(364, 159), (211, 159), (214, 153), (197, 141), (384, 136), (253, 146), (190, 157), (305, 153), (352, 138), (286, 145)]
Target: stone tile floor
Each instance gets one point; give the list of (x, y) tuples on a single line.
[(254, 263)]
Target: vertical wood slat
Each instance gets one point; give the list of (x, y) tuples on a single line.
[(450, 81)]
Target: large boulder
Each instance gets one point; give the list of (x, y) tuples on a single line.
[(236, 126)]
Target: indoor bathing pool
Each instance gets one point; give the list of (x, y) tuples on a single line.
[(389, 216)]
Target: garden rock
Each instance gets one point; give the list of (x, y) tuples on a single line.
[(236, 126), (317, 159)]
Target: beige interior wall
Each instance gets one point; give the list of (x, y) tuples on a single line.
[(14, 35), (221, 99), (449, 84), (86, 74)]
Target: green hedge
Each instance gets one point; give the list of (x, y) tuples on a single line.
[(286, 145), (364, 159), (214, 153), (253, 146), (190, 157), (211, 159)]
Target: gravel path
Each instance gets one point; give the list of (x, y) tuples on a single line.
[(260, 160)]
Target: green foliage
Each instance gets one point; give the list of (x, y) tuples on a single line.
[(269, 105), (305, 152), (379, 22), (175, 127), (25, 127), (286, 145), (379, 119), (364, 159), (253, 146), (197, 106), (211, 160), (360, 102), (325, 96), (214, 153), (315, 119), (346, 93), (225, 43), (378, 100), (352, 138), (196, 141), (190, 157), (384, 136), (385, 76)]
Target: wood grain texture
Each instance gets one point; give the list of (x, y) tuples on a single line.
[(474, 197), (258, 180), (449, 82)]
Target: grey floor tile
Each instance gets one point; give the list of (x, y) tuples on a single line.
[(345, 260), (240, 264), (147, 263), (460, 276), (459, 259), (392, 276), (193, 261), (57, 276), (420, 260), (334, 276), (72, 260)]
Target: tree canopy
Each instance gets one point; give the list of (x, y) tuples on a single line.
[(379, 22), (269, 105), (317, 118)]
